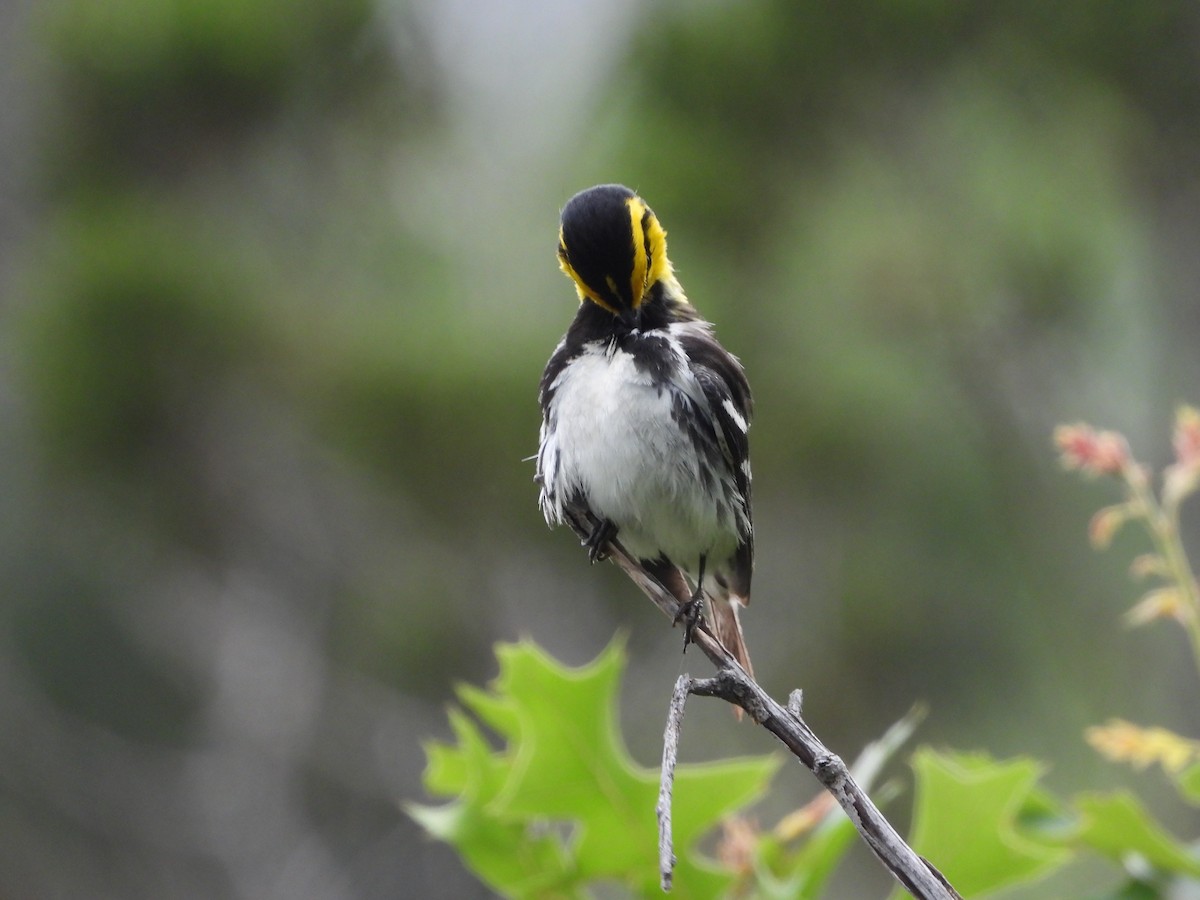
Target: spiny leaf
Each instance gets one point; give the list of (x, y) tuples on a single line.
[(565, 769), (965, 821), (1117, 825)]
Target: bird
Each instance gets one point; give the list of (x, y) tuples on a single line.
[(645, 418)]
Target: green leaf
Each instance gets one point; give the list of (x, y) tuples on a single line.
[(1117, 826), (518, 862), (965, 820), (564, 770), (460, 769), (1188, 782)]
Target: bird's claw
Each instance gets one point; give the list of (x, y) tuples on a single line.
[(597, 541), (689, 615)]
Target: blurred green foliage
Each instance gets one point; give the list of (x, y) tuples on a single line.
[(278, 286), (143, 316), (65, 644), (147, 83)]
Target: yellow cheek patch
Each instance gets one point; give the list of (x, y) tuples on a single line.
[(650, 262), (638, 214), (660, 266)]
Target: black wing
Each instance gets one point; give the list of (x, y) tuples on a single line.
[(724, 383)]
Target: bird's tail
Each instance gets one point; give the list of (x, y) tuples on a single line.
[(724, 613)]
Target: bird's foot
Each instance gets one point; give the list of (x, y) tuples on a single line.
[(689, 615), (597, 541)]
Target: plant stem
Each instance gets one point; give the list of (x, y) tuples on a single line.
[(1163, 526)]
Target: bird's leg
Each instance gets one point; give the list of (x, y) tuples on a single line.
[(689, 613), (604, 531)]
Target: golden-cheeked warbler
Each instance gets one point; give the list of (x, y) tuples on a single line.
[(645, 415)]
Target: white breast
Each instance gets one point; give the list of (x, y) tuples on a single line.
[(611, 437)]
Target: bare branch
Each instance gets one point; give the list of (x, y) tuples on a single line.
[(666, 857), (732, 684)]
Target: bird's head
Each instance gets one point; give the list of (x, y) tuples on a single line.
[(612, 246)]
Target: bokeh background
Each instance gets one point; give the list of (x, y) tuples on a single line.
[(277, 281)]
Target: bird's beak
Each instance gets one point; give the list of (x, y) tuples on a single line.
[(630, 316)]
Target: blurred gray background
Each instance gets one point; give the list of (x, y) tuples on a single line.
[(277, 282)]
